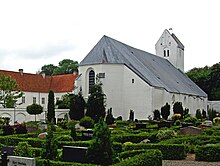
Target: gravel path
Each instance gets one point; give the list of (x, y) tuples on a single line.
[(189, 161)]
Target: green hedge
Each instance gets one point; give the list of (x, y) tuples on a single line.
[(148, 158), (135, 138), (207, 153), (43, 162), (36, 152), (130, 153), (169, 151)]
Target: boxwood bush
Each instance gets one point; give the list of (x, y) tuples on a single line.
[(43, 162), (169, 151), (208, 153), (148, 158)]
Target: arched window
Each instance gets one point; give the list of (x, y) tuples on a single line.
[(91, 79)]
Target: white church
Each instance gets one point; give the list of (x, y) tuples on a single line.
[(136, 80)]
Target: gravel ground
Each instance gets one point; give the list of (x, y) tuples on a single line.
[(189, 163)]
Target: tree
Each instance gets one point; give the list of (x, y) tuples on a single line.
[(96, 102), (51, 108), (203, 114), (9, 93), (100, 151), (50, 147), (34, 109), (131, 116), (48, 69), (211, 114), (156, 114), (77, 106), (178, 108), (66, 66), (198, 114), (165, 111)]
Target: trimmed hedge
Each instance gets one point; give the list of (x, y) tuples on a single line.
[(43, 162), (169, 151), (135, 138), (207, 153), (148, 158), (130, 153)]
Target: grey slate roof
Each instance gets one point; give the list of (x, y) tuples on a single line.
[(156, 71)]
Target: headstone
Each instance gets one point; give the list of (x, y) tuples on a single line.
[(8, 149), (87, 134), (21, 161), (191, 130), (141, 125), (42, 135), (186, 124), (74, 154)]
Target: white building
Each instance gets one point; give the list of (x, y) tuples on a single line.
[(36, 88), (137, 80)]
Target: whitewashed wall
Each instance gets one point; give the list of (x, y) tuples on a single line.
[(21, 115), (214, 105)]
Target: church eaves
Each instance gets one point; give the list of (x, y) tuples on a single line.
[(156, 71)]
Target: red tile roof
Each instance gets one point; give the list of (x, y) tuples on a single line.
[(37, 83)]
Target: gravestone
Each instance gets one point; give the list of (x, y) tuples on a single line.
[(186, 124), (8, 149), (141, 125), (87, 134), (21, 161), (191, 130), (74, 154)]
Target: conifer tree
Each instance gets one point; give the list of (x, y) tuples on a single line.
[(51, 108), (100, 151)]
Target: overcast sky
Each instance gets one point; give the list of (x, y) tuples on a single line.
[(35, 33)]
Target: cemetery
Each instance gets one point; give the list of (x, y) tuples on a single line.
[(112, 141)]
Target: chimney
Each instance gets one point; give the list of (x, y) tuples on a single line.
[(21, 71), (43, 74)]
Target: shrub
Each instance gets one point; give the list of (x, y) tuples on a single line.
[(8, 130), (165, 111), (148, 158), (178, 108), (23, 149), (20, 129), (216, 120), (156, 114), (169, 151), (109, 117), (131, 116), (87, 122), (211, 114), (190, 119), (198, 114), (208, 153), (176, 117), (166, 134), (130, 153)]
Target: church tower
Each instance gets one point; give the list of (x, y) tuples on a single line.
[(169, 47)]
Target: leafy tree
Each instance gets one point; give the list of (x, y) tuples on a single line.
[(100, 151), (208, 79), (48, 69), (77, 106), (178, 108), (66, 66), (96, 102), (51, 108), (165, 111), (156, 115), (50, 147), (86, 122), (9, 93), (34, 109)]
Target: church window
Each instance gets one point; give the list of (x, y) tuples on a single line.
[(164, 53), (132, 81), (168, 52), (23, 99), (43, 100), (91, 79)]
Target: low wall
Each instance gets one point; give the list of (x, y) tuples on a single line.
[(20, 114)]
